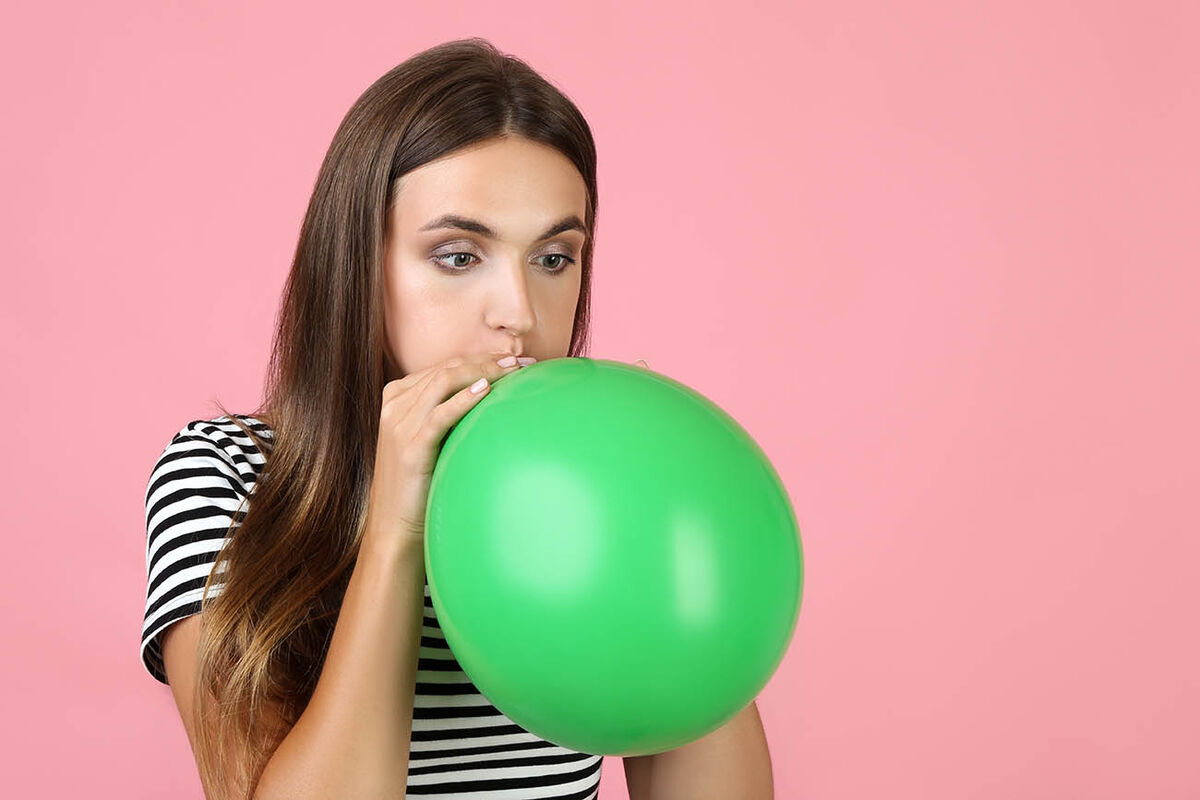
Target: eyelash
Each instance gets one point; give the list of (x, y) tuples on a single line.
[(437, 260)]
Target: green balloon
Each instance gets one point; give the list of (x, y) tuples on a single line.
[(612, 559)]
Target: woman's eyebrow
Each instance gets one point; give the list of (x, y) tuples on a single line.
[(568, 223)]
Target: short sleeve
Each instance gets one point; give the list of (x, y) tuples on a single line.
[(192, 497)]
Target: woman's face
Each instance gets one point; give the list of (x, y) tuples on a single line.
[(454, 292)]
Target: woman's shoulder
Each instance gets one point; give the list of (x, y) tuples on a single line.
[(225, 429), (220, 439)]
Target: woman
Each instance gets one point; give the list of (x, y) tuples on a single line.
[(451, 225)]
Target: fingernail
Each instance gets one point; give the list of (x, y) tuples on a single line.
[(478, 385), (525, 361), (507, 361)]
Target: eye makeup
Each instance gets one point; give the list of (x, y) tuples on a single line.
[(445, 261)]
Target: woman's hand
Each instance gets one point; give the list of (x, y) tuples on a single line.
[(416, 414)]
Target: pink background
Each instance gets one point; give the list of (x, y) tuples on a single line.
[(940, 259)]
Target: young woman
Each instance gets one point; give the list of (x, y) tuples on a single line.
[(448, 242)]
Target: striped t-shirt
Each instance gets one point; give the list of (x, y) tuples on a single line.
[(461, 744)]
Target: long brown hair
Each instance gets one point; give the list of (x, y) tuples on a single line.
[(286, 566)]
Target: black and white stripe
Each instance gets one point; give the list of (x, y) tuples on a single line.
[(460, 745)]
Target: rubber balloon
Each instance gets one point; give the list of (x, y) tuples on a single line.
[(612, 559)]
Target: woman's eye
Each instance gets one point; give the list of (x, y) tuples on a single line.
[(458, 266), (452, 268), (561, 265)]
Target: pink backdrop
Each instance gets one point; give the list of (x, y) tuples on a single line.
[(940, 259)]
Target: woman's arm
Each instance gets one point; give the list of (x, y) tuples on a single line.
[(732, 761), (353, 738)]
